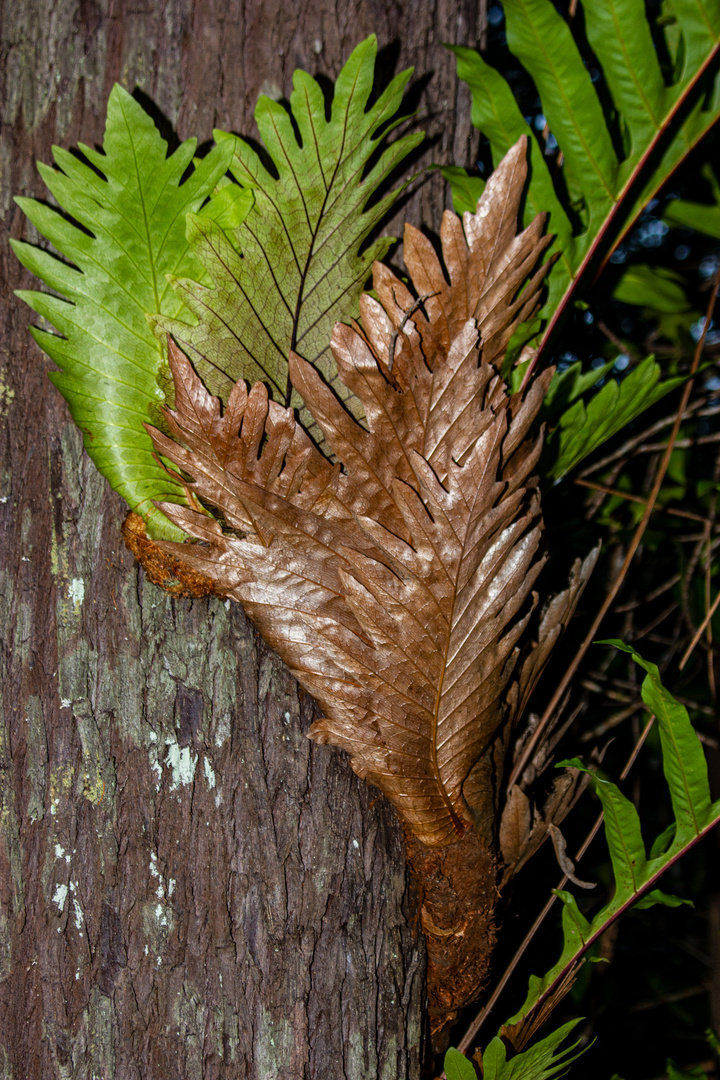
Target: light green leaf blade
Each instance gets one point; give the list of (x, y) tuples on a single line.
[(132, 235), (542, 1061), (569, 385), (699, 22), (539, 1062), (466, 189), (496, 113), (686, 773), (705, 218), (542, 41), (701, 116), (653, 287), (301, 268), (620, 36), (576, 933), (657, 896), (583, 428), (228, 207), (622, 832), (457, 1066), (683, 214), (660, 124), (684, 762), (494, 1060)]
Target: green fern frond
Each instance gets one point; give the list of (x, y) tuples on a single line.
[(542, 1061), (129, 203), (600, 178), (583, 427), (636, 874), (297, 264)]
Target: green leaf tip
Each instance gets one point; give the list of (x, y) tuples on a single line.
[(128, 205), (582, 428), (541, 1061), (466, 189), (458, 1067), (297, 264)]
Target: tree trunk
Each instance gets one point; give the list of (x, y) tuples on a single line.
[(188, 887)]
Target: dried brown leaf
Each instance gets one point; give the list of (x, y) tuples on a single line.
[(397, 588), (515, 826), (564, 861)]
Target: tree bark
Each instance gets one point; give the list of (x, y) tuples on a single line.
[(188, 887)]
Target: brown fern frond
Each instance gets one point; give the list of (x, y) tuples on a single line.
[(397, 584)]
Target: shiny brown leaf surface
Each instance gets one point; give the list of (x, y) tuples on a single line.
[(397, 587)]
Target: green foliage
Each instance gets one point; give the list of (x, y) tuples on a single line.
[(582, 428), (653, 287), (540, 1062), (597, 201), (686, 774), (674, 1073), (458, 1067), (466, 189), (704, 217), (259, 288), (130, 205), (569, 385), (301, 269)]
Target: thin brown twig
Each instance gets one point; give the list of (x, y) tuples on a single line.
[(681, 444), (699, 632), (638, 499), (655, 622), (634, 545), (708, 575), (471, 1033), (611, 722), (633, 604), (623, 346)]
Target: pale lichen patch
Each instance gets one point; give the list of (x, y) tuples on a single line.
[(182, 764), (209, 773), (60, 896), (79, 917), (76, 593), (94, 786), (222, 729), (273, 1044), (7, 396), (158, 923)]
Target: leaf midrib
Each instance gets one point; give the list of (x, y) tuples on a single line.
[(631, 71), (540, 45), (314, 231), (141, 195)]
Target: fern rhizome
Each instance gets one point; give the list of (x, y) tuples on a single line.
[(363, 472)]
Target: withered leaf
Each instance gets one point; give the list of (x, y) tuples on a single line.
[(516, 825), (397, 587)]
